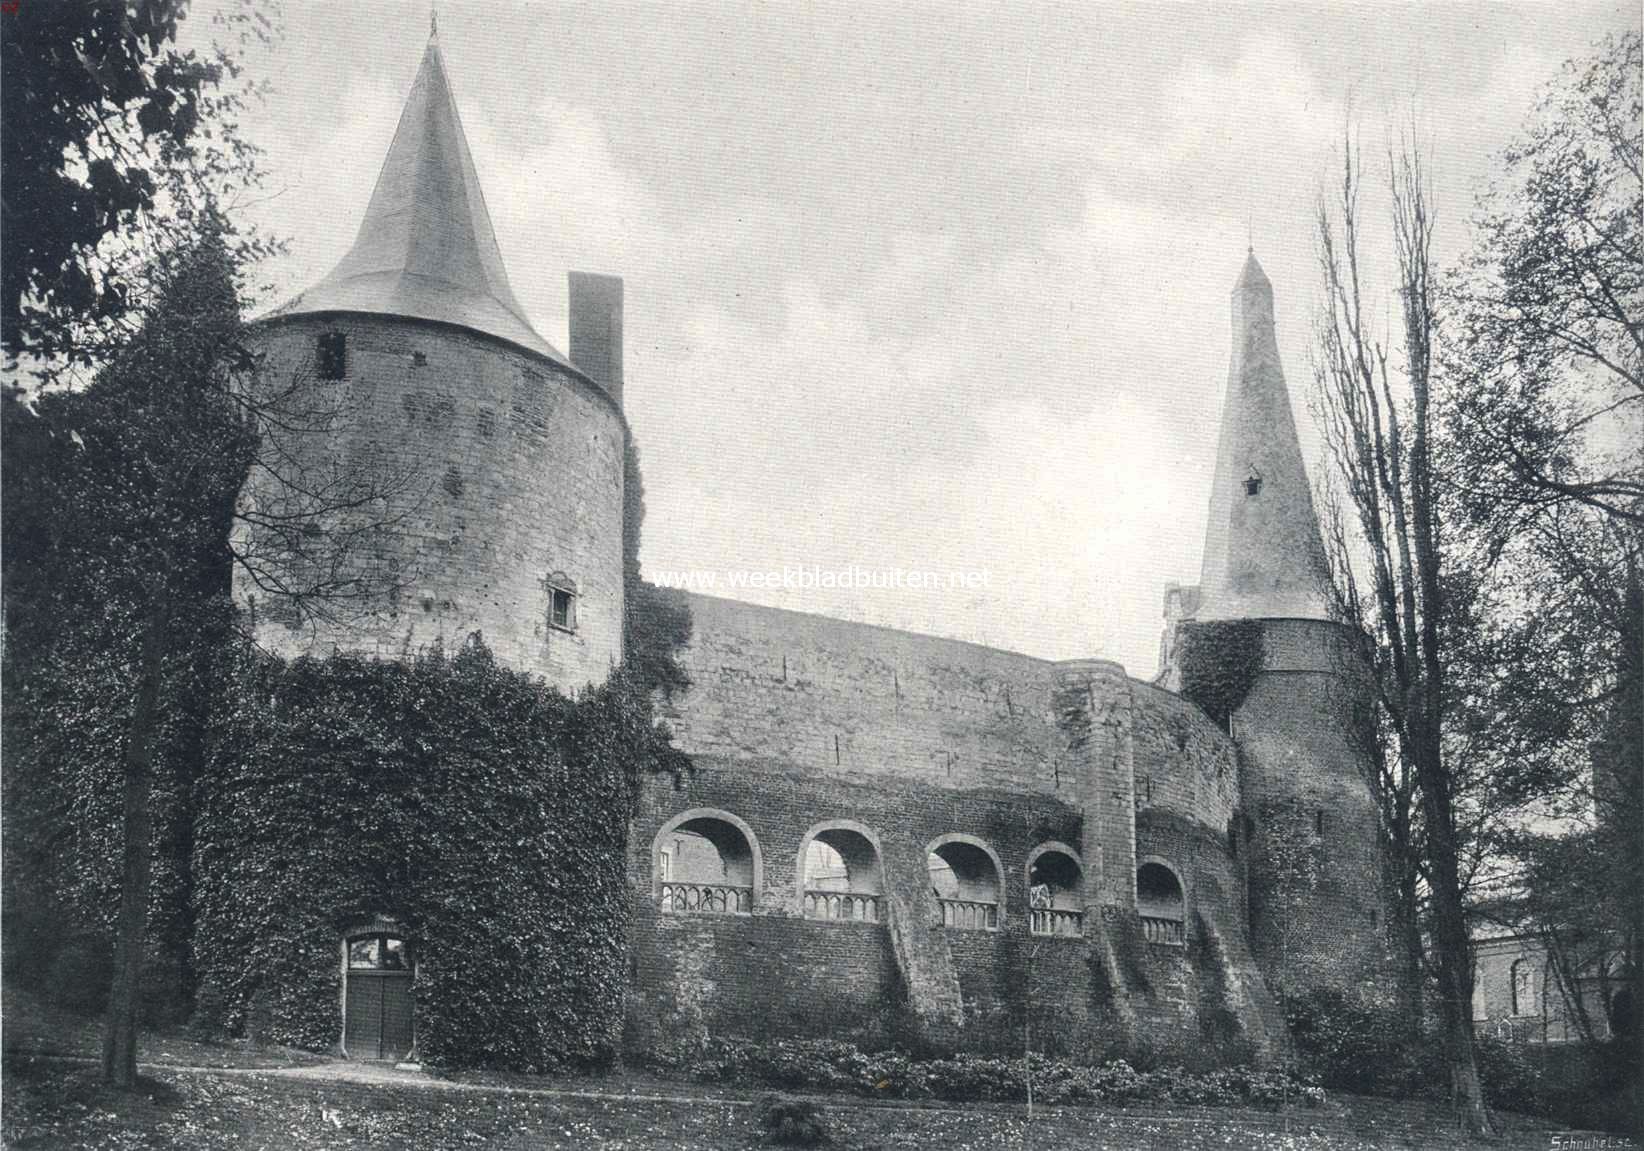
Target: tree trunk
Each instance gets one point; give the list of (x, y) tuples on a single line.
[(1414, 975), (125, 995), (1454, 952)]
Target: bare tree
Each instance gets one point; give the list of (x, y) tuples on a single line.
[(1377, 427)]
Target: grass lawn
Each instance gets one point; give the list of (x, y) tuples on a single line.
[(35, 1028), (51, 1104), (238, 1097)]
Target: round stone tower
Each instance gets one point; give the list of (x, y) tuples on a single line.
[(1308, 832), (468, 477)]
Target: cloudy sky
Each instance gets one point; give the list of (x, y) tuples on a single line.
[(920, 286)]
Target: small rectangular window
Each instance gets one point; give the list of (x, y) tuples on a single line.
[(561, 611), (333, 355), (393, 955)]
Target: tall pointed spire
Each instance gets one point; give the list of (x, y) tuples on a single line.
[(426, 248), (1263, 555)]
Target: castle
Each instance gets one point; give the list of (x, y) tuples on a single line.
[(883, 831)]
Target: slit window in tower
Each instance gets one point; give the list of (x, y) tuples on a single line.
[(332, 353), (1318, 822), (562, 608), (1252, 484)]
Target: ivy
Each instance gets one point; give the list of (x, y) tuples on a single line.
[(1219, 663), (482, 811)]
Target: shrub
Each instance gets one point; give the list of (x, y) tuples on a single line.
[(1511, 1081), (792, 1122), (836, 1066), (1348, 1045)]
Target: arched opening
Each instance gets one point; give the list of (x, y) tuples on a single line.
[(377, 1019), (1055, 892), (840, 875), (706, 862), (964, 875), (1161, 904)]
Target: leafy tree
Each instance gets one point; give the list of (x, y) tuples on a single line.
[(1548, 310), (1542, 404), (115, 139), (162, 451), (123, 556)]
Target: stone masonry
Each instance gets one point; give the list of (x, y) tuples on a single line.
[(884, 837)]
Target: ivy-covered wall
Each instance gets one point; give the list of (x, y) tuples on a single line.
[(1219, 662), (480, 810)]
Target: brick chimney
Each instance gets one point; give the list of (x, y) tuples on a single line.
[(596, 329)]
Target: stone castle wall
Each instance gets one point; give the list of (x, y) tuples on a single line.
[(793, 720), (839, 698), (1306, 785), (509, 470)]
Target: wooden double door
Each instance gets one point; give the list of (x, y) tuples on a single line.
[(377, 1018)]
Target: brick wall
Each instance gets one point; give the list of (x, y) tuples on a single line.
[(512, 470), (1541, 1013), (774, 973)]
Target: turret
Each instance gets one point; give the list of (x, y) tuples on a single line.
[(494, 464), (1255, 645)]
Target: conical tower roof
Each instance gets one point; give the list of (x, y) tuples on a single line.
[(1263, 555), (426, 248)]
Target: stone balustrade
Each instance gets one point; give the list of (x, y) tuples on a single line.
[(708, 898), (969, 914), (1158, 930), (1056, 921), (852, 905)]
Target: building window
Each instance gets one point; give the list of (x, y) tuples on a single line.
[(419, 359), (378, 953), (1252, 484), (332, 354), (562, 601), (1524, 976)]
